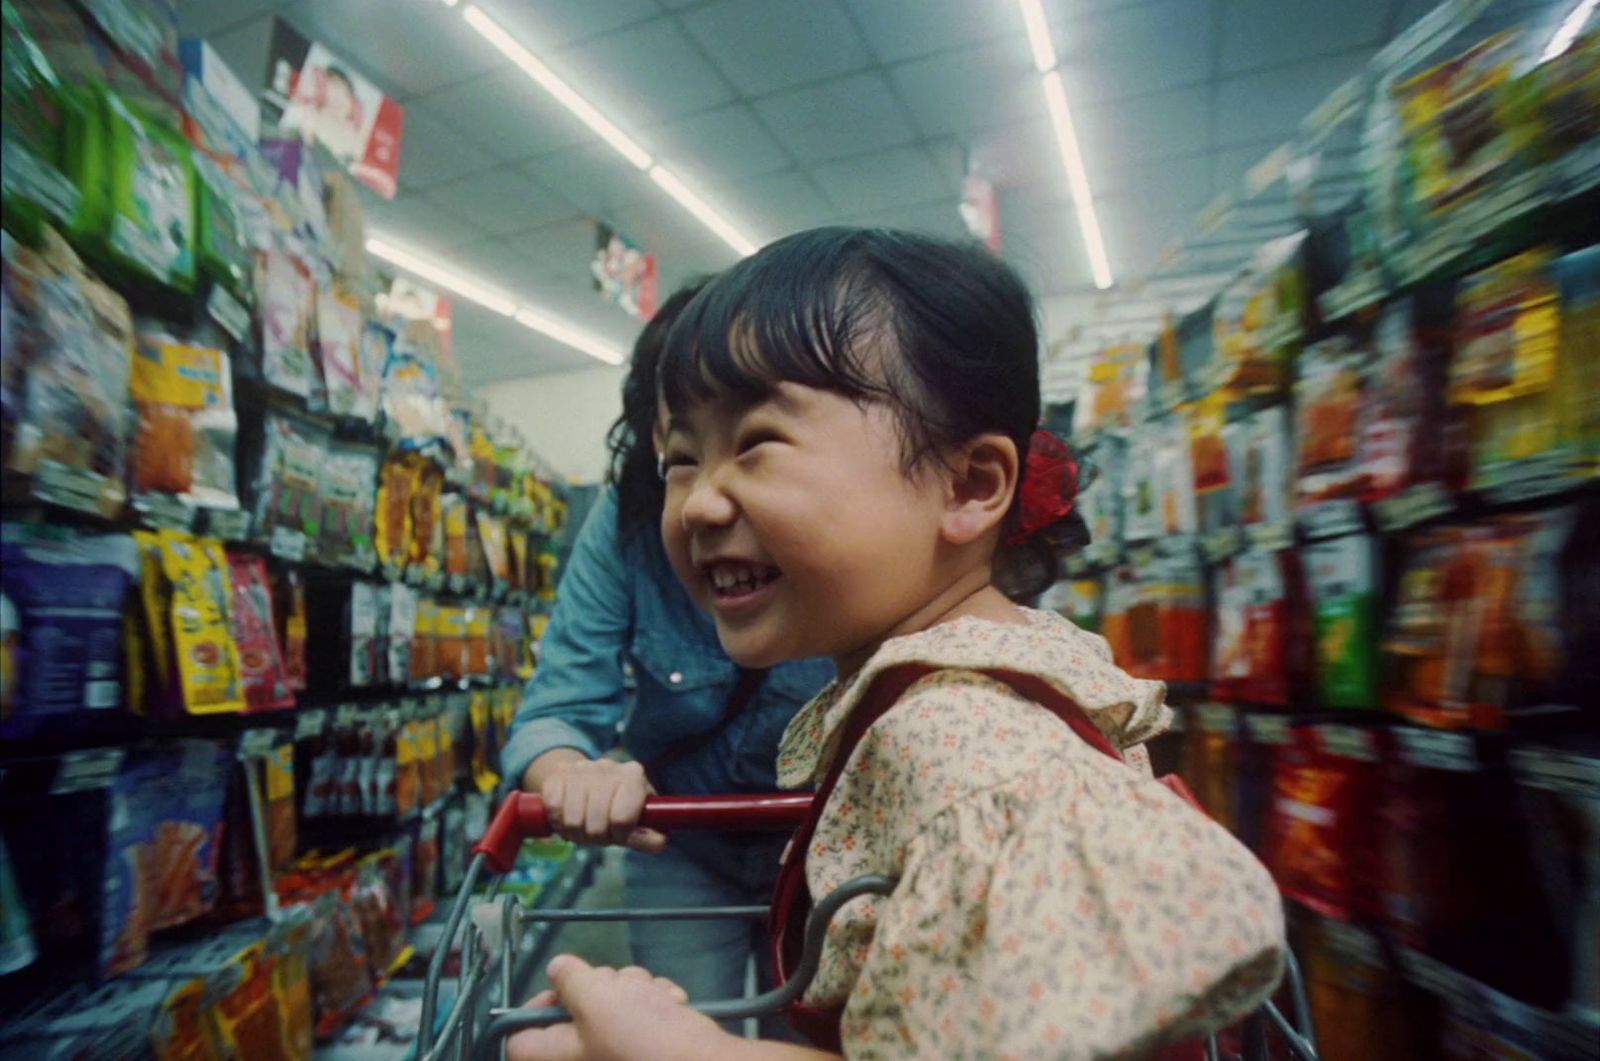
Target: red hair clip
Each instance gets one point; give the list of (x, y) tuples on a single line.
[(1049, 490)]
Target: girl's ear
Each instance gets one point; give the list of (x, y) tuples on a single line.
[(983, 480)]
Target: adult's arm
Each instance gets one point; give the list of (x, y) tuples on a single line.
[(572, 705)]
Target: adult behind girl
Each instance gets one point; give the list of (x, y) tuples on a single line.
[(698, 721), (851, 417)]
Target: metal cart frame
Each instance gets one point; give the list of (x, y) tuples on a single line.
[(473, 1030)]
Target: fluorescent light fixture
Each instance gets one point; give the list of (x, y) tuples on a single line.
[(529, 63), (464, 286), (1044, 51), (576, 338), (1055, 98), (702, 210), (1568, 32)]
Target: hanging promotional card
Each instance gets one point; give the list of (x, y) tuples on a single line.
[(321, 98), (624, 273), (980, 211)]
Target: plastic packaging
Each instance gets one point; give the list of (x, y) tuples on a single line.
[(284, 305), (340, 332), (209, 671), (266, 685), (349, 483), (187, 429)]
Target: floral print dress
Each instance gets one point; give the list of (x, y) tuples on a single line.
[(1052, 901)]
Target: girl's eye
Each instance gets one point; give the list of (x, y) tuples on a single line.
[(671, 461), (759, 436)]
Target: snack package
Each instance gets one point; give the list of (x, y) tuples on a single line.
[(364, 648), (340, 331), (402, 630), (425, 546), (1264, 484), (266, 686), (396, 483), (1117, 387), (1412, 436), (1359, 1002), (410, 395), (277, 769), (1343, 579), (1255, 760), (67, 591), (186, 845), (455, 518), (479, 628), (316, 753), (284, 305), (220, 244), (1258, 320), (340, 975), (290, 610), (1099, 499), (288, 508), (424, 641), (1210, 752), (1507, 346), (373, 904), (507, 641), (425, 869), (1175, 477), (151, 190), (349, 498), (187, 429), (492, 531), (1142, 515), (69, 353), (450, 639), (129, 907), (1329, 397), (1320, 830), (1577, 275), (209, 670), (1217, 455)]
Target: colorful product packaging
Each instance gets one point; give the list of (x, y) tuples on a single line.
[(210, 674), (186, 432), (266, 685), (1342, 574)]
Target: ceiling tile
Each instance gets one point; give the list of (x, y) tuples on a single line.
[(244, 47), (548, 25), (543, 255), (940, 217), (491, 348), (643, 75), (1261, 33), (901, 176), (506, 115), (764, 47), (846, 116), (432, 152), (725, 144), (1041, 242), (775, 205), (408, 52), (1182, 183), (1131, 52), (1268, 104), (420, 222), (593, 176), (207, 18), (1168, 125), (1136, 232), (505, 200), (974, 88), (899, 30)]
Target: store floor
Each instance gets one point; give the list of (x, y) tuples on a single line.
[(599, 943)]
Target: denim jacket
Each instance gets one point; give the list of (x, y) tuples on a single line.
[(624, 604)]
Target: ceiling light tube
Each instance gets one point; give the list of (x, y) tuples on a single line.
[(576, 338), (1055, 97), (1044, 50), (702, 210), (1569, 29), (507, 45), (466, 287)]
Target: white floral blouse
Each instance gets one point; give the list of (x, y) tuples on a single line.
[(1052, 901)]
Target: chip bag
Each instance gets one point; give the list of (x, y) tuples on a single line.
[(209, 670)]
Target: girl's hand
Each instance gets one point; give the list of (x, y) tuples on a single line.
[(617, 1015), (598, 801)]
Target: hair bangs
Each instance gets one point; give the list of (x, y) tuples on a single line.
[(788, 315)]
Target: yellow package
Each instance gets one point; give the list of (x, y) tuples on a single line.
[(392, 519), (454, 507), (209, 672), (155, 615), (246, 1013), (450, 637), (484, 777), (291, 986), (427, 731), (407, 782), (185, 1026)]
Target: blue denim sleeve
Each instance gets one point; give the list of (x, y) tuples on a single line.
[(576, 697)]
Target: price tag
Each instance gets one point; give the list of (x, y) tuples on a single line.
[(74, 488), (229, 313), (1269, 537), (1438, 749), (1437, 978), (164, 512), (1222, 544), (86, 770), (1355, 293), (1331, 519), (1269, 729), (1176, 546), (1349, 742), (1417, 505), (415, 575), (308, 724), (1269, 170), (288, 544), (1218, 718), (1528, 479), (1558, 771), (257, 743), (458, 583), (229, 524)]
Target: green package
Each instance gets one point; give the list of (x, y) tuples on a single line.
[(1344, 588)]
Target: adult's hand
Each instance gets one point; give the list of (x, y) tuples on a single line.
[(594, 801)]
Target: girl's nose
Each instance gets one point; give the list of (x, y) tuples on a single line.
[(708, 505)]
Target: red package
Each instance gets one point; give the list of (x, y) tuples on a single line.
[(1321, 821), (266, 685)]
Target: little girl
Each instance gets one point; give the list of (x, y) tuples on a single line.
[(852, 471)]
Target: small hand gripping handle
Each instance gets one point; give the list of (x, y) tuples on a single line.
[(522, 817)]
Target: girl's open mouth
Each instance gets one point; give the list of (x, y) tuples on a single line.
[(737, 582)]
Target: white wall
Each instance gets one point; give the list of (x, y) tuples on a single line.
[(563, 415)]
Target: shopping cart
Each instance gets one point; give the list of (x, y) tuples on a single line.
[(475, 1028)]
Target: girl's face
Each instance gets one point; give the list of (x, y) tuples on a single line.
[(793, 523)]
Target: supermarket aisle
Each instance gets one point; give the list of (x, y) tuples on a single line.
[(597, 943)]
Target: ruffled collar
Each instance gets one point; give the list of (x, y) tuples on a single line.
[(1129, 711)]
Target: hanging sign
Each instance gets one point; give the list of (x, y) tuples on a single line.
[(624, 273), (980, 211), (319, 97)]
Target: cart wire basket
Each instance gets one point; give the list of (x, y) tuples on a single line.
[(484, 1012)]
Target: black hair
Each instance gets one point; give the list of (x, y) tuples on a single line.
[(942, 333), (634, 472)]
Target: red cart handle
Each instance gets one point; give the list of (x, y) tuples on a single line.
[(522, 817)]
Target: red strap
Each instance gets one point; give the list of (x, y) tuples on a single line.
[(791, 902)]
